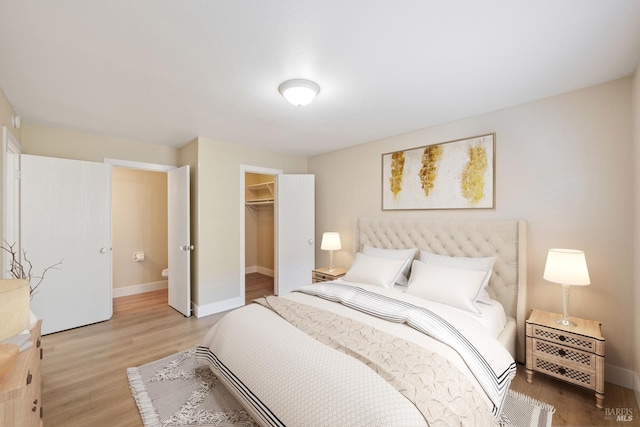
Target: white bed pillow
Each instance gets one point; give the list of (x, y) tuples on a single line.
[(457, 287), (404, 254), (467, 263), (374, 270)]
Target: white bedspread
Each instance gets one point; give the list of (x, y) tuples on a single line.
[(284, 377)]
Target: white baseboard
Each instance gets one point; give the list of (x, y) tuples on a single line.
[(139, 289), (257, 269), (619, 376), (636, 387), (217, 307), (266, 271)]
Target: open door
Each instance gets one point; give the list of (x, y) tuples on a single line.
[(295, 231), (66, 215), (179, 240)]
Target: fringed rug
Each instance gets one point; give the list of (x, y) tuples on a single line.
[(521, 410), (180, 391)]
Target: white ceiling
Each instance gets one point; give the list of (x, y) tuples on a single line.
[(164, 72)]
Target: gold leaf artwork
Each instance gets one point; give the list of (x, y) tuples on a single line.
[(397, 169), (429, 171), (472, 182)]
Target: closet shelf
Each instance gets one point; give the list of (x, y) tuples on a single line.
[(261, 186), (261, 194), (254, 202)]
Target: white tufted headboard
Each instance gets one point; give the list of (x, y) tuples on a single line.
[(504, 238)]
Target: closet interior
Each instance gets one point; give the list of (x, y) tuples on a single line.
[(259, 235)]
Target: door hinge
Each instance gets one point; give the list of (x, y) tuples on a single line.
[(16, 174)]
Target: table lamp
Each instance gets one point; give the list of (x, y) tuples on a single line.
[(566, 267), (330, 242)]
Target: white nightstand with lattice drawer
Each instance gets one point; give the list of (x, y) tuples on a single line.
[(571, 353)]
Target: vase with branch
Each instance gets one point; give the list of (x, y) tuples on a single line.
[(24, 269)]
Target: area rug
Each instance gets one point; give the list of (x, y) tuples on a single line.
[(180, 391), (521, 410)]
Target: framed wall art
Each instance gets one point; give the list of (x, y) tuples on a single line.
[(450, 175)]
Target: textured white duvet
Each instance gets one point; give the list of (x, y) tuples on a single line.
[(268, 363)]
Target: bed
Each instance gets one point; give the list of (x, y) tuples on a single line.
[(393, 353)]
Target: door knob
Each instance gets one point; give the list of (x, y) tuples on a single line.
[(310, 241), (103, 250)]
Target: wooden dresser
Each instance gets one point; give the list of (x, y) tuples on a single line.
[(21, 390)]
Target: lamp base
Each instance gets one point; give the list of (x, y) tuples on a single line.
[(331, 270), (565, 322)]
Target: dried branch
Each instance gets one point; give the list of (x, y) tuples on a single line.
[(17, 268)]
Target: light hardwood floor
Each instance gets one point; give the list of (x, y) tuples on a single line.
[(85, 383), (257, 285)]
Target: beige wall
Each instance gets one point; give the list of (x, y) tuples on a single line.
[(636, 176), (139, 224), (71, 144), (220, 196), (265, 247), (563, 163)]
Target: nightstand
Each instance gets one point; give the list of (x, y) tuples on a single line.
[(323, 274), (571, 353)]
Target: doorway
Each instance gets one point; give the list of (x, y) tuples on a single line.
[(257, 241), (175, 204), (259, 202), (139, 230), (294, 226), (11, 196)]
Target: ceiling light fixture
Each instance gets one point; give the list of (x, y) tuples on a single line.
[(299, 92)]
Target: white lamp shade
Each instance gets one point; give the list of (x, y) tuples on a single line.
[(299, 92), (330, 241), (567, 267)]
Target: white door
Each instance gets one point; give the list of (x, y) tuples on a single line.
[(179, 240), (295, 231), (66, 215)]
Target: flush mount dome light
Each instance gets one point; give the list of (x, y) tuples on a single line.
[(299, 92)]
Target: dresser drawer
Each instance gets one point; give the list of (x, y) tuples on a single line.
[(564, 355), (567, 339), (321, 277), (21, 389), (32, 408), (577, 376), (33, 401), (324, 275)]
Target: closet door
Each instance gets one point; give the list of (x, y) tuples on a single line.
[(295, 231), (66, 215)]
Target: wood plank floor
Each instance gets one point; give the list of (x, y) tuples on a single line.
[(84, 370), (576, 406), (257, 285)]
